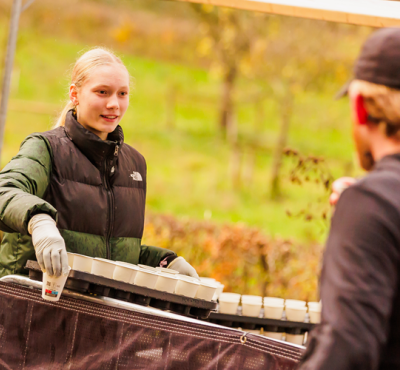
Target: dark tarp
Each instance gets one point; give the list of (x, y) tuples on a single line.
[(76, 334)]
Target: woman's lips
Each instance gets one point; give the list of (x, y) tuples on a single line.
[(109, 118)]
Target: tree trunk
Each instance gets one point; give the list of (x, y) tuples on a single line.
[(245, 278), (266, 273), (235, 165), (286, 115), (226, 110)]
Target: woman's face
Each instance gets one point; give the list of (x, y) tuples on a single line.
[(103, 99)]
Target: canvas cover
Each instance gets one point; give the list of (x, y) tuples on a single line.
[(76, 334)]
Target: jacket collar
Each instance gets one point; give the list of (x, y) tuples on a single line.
[(91, 145), (388, 162)]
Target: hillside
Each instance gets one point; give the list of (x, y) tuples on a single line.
[(189, 163)]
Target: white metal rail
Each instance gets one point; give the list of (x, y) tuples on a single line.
[(375, 13)]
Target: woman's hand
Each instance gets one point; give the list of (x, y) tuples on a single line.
[(49, 245), (337, 188), (179, 264)]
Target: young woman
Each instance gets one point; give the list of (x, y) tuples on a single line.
[(79, 187)]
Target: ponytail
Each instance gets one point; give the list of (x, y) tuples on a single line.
[(63, 115)]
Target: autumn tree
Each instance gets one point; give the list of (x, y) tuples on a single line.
[(227, 39), (279, 54), (292, 61)]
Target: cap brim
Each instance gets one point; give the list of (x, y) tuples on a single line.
[(344, 90)]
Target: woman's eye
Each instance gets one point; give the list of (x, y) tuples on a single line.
[(102, 92), (124, 93)]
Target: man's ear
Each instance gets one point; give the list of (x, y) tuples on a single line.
[(360, 111)]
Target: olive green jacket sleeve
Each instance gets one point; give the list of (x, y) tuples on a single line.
[(152, 256), (23, 182)]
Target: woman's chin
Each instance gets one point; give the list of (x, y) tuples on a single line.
[(108, 128)]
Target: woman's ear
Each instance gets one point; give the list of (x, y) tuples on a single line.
[(361, 113), (73, 94)]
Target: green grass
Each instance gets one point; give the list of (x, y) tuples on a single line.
[(188, 165)]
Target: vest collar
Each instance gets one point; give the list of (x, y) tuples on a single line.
[(91, 145)]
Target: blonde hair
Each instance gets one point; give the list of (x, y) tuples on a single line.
[(83, 67), (381, 102)]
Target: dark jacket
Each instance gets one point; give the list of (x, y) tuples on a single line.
[(360, 289), (94, 189)]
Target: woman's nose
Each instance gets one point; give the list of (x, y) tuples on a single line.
[(112, 103)]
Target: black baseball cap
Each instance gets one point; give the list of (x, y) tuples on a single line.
[(379, 60)]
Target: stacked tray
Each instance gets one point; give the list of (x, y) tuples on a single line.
[(252, 323), (86, 283)]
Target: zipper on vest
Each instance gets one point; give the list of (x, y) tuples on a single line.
[(110, 206), (114, 160), (110, 196)]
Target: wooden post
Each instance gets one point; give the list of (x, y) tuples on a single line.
[(11, 46)]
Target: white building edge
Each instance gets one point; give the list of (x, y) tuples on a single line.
[(375, 13)]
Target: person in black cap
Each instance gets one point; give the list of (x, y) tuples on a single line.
[(360, 280)]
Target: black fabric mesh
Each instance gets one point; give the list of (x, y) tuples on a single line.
[(75, 334)]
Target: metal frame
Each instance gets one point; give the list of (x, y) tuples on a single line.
[(17, 9), (260, 321)]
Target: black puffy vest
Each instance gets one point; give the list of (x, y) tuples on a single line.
[(99, 190)]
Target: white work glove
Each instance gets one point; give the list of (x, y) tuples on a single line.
[(49, 245), (179, 264), (337, 188)]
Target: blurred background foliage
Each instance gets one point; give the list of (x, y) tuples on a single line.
[(234, 113)]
